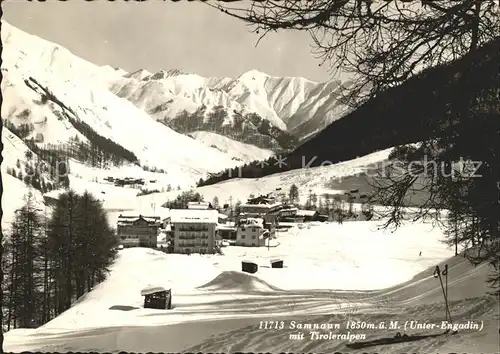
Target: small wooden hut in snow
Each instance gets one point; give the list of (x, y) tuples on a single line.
[(157, 297), (276, 263), (249, 267)]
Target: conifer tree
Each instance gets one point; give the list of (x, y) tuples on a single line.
[(293, 193), (81, 243), (24, 245)]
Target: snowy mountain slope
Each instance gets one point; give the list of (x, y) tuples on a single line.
[(50, 81), (14, 149), (23, 172), (315, 180), (22, 50), (14, 196), (291, 104), (22, 163), (239, 151), (22, 105), (139, 74), (192, 88)]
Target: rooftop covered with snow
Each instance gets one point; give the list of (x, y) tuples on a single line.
[(258, 222), (153, 290), (194, 216), (131, 219), (198, 205), (263, 207), (306, 212)]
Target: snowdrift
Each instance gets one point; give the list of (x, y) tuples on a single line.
[(238, 281)]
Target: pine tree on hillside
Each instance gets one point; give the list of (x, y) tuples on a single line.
[(81, 246), (62, 236), (96, 243), (4, 269), (48, 294), (24, 246), (320, 205), (294, 193), (237, 207), (215, 202), (314, 200)]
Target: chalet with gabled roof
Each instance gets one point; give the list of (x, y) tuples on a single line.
[(138, 231)]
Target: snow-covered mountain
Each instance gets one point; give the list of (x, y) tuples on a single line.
[(56, 100), (244, 107)]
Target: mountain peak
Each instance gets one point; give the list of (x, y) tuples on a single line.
[(139, 74), (163, 74), (253, 73)]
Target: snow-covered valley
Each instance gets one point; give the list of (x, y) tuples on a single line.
[(119, 121)]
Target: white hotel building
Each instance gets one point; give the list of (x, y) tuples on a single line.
[(193, 230)]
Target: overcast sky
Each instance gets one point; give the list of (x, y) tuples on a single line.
[(157, 35)]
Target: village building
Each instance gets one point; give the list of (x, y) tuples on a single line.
[(251, 232), (268, 212), (227, 231), (308, 215), (256, 221), (271, 208), (288, 212), (193, 230), (138, 231), (223, 218)]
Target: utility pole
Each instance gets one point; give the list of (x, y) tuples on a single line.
[(456, 236)]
